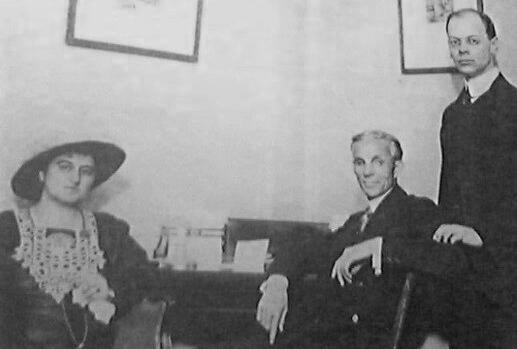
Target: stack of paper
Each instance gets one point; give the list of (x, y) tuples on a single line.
[(204, 252), (250, 255)]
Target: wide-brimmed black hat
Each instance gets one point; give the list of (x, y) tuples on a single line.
[(107, 156)]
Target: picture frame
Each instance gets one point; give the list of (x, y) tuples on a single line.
[(156, 28), (423, 41)]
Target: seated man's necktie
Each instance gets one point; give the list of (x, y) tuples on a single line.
[(365, 218)]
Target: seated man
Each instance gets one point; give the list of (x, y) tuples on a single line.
[(395, 233)]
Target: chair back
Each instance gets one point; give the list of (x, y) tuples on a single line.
[(141, 327), (402, 309)]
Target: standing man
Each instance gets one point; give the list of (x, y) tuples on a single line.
[(357, 309), (478, 185)]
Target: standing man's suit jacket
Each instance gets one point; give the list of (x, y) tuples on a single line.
[(478, 185)]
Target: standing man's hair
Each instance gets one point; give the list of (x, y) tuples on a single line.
[(487, 22), (395, 147)]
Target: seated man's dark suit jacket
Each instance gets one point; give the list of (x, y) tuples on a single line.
[(361, 315)]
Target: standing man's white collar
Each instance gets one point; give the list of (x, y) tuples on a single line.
[(481, 83), (375, 202)]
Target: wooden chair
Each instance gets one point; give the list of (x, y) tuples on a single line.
[(402, 309), (142, 329)]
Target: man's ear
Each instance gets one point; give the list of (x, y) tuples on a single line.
[(398, 166), (494, 46), (41, 176)]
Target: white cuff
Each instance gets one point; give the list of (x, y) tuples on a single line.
[(377, 256), (275, 282)]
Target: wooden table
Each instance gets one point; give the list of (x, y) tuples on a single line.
[(213, 307)]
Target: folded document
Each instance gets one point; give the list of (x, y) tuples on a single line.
[(250, 255)]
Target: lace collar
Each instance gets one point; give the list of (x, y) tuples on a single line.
[(58, 271)]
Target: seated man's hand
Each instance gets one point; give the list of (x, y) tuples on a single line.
[(452, 233), (343, 268), (272, 307)]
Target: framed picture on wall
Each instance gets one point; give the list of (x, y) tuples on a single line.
[(423, 41), (157, 28)]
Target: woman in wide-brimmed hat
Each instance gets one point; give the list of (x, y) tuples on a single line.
[(65, 272)]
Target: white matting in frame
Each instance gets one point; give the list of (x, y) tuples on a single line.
[(423, 40), (159, 28)]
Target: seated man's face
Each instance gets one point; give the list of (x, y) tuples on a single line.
[(374, 166)]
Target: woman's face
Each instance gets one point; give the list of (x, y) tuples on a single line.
[(69, 178)]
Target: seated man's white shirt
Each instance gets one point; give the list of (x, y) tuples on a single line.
[(374, 203)]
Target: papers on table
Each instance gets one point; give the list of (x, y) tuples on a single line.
[(201, 249), (250, 255), (192, 249), (204, 252)]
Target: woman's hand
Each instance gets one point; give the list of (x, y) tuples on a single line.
[(102, 310), (94, 288), (95, 293)]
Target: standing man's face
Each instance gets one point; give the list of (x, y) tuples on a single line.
[(374, 166), (470, 48)]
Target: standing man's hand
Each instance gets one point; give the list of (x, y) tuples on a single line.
[(272, 307), (452, 233)]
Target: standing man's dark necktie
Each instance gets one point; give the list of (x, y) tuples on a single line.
[(467, 98)]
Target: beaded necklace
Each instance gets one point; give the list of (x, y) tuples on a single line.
[(58, 271), (78, 344)]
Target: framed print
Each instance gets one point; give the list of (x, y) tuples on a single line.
[(423, 41), (158, 28)]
